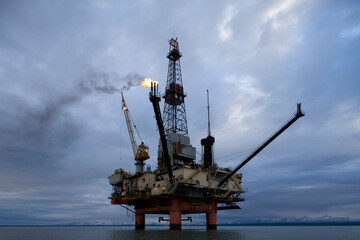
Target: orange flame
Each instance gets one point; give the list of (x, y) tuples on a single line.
[(147, 82)]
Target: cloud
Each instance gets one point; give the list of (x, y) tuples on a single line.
[(62, 130), (279, 8), (225, 30), (48, 127), (353, 32)]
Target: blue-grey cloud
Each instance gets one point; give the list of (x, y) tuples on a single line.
[(61, 137)]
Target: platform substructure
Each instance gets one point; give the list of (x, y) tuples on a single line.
[(175, 208)]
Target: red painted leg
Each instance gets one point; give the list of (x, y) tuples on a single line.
[(139, 221), (175, 215), (211, 217)]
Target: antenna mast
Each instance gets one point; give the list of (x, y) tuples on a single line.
[(208, 107)]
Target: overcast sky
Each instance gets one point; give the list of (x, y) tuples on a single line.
[(62, 130)]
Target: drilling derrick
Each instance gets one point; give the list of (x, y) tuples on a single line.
[(175, 124), (174, 108)]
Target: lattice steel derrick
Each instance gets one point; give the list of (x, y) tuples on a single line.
[(174, 108)]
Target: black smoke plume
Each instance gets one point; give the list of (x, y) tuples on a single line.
[(109, 83), (47, 128)]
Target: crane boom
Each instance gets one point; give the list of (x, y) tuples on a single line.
[(141, 152), (129, 126), (298, 115)]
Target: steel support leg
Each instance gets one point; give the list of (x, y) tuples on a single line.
[(139, 221), (211, 216), (175, 215)]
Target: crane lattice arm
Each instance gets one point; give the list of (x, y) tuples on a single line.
[(141, 152), (129, 126)]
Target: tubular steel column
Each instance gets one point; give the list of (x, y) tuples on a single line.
[(211, 216), (175, 214), (139, 221)]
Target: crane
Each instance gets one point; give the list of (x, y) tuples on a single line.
[(141, 152), (297, 115)]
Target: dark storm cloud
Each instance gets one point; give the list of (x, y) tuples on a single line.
[(62, 129), (47, 128)]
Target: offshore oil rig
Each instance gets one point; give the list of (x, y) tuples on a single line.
[(179, 185)]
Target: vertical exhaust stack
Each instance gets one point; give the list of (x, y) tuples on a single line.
[(208, 142), (154, 89)]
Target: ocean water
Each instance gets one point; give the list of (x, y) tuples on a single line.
[(194, 232)]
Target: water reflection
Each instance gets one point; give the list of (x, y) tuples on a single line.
[(195, 232), (174, 235)]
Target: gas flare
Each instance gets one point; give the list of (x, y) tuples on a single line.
[(147, 82)]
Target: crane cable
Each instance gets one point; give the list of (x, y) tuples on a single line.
[(241, 153), (133, 123)]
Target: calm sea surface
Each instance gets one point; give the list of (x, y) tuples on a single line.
[(196, 232)]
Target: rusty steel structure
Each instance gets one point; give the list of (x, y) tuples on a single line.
[(180, 185)]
